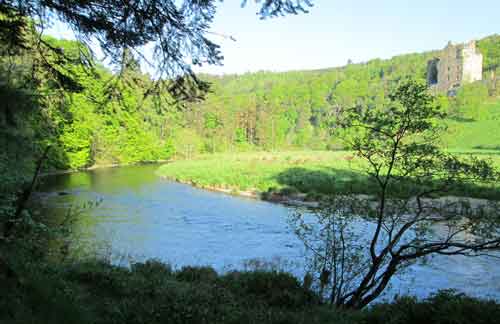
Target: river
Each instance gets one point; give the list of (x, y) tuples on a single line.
[(140, 216)]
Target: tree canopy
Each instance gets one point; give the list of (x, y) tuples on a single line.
[(175, 30)]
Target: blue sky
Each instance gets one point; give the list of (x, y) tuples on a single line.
[(335, 31)]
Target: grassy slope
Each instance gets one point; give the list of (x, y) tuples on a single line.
[(480, 128)]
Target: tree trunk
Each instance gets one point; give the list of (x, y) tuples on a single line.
[(25, 195)]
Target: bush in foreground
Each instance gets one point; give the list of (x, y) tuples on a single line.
[(151, 292)]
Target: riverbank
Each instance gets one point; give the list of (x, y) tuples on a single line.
[(303, 200), (294, 199), (291, 176), (284, 176), (102, 166)]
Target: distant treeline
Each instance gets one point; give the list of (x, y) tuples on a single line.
[(295, 109)]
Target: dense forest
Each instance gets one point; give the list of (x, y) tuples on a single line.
[(118, 117)]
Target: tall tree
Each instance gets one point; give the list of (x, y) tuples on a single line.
[(408, 170)]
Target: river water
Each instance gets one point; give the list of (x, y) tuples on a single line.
[(140, 216)]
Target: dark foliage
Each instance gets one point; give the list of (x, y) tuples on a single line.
[(445, 307), (96, 292)]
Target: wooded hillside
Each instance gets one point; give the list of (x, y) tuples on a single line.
[(105, 119)]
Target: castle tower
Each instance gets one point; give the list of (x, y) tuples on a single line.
[(472, 63), (455, 65)]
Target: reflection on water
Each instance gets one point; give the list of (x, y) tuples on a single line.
[(142, 216)]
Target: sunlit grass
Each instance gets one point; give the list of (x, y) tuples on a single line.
[(308, 172), (253, 171)]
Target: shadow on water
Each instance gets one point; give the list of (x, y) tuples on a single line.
[(86, 200), (105, 180)]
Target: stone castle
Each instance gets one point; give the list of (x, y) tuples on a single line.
[(455, 65)]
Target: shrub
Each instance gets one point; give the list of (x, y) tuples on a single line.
[(277, 289), (196, 274), (445, 307)]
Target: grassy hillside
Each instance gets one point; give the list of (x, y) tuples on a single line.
[(476, 128), (296, 109)]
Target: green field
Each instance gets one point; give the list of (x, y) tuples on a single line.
[(478, 128), (309, 172)]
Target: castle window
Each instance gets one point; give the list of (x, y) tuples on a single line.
[(432, 72)]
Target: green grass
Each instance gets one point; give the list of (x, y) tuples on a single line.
[(474, 135), (307, 172), (478, 127), (264, 171)]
